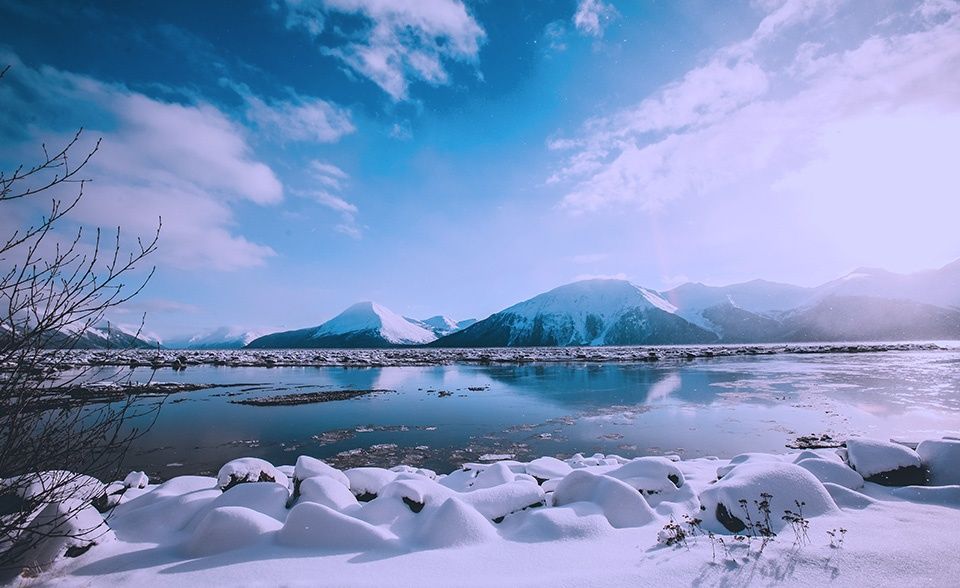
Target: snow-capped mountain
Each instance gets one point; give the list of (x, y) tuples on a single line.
[(939, 287), (219, 338), (106, 335), (365, 324), (441, 325), (589, 312), (757, 296)]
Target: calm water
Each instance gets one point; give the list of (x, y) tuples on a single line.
[(704, 407)]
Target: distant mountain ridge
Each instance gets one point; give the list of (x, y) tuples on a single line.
[(867, 304)]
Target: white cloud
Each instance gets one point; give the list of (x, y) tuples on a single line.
[(753, 121), (592, 16), (405, 40), (334, 179), (186, 163), (301, 119)]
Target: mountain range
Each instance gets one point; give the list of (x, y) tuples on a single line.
[(867, 304)]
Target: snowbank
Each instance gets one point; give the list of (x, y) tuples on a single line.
[(581, 521)]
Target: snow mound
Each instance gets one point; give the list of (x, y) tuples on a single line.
[(621, 504), (746, 458), (327, 491), (784, 485), (312, 525), (136, 480), (54, 486), (166, 509), (650, 475), (578, 520), (454, 524), (872, 457), (226, 528), (498, 501), (266, 498), (369, 480), (942, 458), (833, 472), (309, 467), (940, 495), (847, 498), (249, 469), (546, 468), (65, 524)]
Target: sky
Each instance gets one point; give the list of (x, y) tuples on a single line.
[(455, 157)]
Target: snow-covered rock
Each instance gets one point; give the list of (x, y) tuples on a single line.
[(942, 459), (454, 524), (249, 469), (136, 480), (834, 472), (64, 524), (163, 510), (784, 484), (546, 468), (650, 475), (884, 461), (309, 467), (327, 491), (312, 525), (621, 504), (369, 480), (226, 528), (266, 498)]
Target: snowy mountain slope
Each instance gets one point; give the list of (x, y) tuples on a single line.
[(105, 335), (441, 325), (589, 312), (219, 338), (365, 324), (867, 318), (758, 297), (939, 287)]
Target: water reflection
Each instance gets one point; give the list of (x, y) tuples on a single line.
[(721, 406)]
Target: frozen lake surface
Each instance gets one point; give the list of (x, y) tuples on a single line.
[(440, 416)]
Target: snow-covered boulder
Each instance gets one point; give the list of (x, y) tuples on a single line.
[(746, 458), (367, 482), (249, 469), (884, 462), (782, 484), (314, 525), (226, 528), (621, 504), (831, 471), (497, 502), (546, 468), (942, 459), (163, 510), (266, 498), (53, 486), (578, 520), (309, 467), (650, 475), (136, 480), (64, 525), (454, 523), (327, 491)]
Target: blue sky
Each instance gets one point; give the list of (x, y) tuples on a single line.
[(449, 157)]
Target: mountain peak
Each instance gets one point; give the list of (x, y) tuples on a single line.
[(369, 316)]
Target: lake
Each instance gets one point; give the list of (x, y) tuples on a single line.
[(442, 416)]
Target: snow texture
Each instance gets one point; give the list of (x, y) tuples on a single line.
[(871, 457)]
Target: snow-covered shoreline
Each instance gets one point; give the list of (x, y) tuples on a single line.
[(590, 520), (418, 356)]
